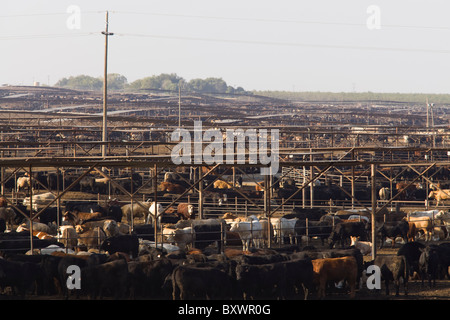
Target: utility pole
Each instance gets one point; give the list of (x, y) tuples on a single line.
[(179, 105), (105, 89)]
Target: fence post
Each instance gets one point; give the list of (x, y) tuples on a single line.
[(251, 234), (67, 242), (222, 238), (307, 232), (374, 209), (246, 208)]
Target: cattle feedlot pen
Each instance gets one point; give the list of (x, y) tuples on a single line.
[(199, 190)]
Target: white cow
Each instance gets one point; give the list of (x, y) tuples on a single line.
[(135, 210), (37, 226), (384, 193), (182, 237), (39, 199), (359, 218), (365, 247), (248, 231), (110, 228), (23, 183), (166, 247), (429, 213), (68, 236), (155, 213), (285, 228)]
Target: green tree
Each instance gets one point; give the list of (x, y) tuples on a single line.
[(81, 82), (163, 81), (84, 82), (116, 81)]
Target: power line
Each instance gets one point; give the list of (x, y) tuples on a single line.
[(244, 19), (46, 36), (290, 44), (251, 19), (26, 15), (234, 41)]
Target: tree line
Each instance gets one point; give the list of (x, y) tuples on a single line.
[(164, 81), (373, 97)]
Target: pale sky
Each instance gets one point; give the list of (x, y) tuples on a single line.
[(321, 45)]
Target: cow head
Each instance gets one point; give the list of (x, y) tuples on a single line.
[(190, 209)]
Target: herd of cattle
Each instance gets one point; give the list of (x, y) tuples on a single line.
[(228, 257), (302, 254)]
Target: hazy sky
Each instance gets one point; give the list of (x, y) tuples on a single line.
[(321, 45)]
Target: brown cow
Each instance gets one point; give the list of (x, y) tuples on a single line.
[(43, 235), (405, 191), (424, 224), (92, 239), (171, 187), (220, 184), (185, 211), (76, 217), (335, 269), (411, 232), (8, 214)]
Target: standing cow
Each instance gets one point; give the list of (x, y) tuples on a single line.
[(335, 269), (429, 265), (439, 195), (155, 213), (248, 231)]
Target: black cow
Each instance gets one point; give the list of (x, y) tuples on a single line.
[(147, 278), (411, 251), (2, 225), (261, 259), (443, 251), (52, 181), (127, 243), (429, 265), (299, 275), (393, 229), (201, 283), (320, 229), (115, 212), (87, 184), (84, 207), (110, 278), (342, 232), (306, 213), (50, 215), (206, 234), (144, 231), (48, 270), (265, 281), (392, 269), (63, 265), (19, 242), (21, 276), (207, 231)]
